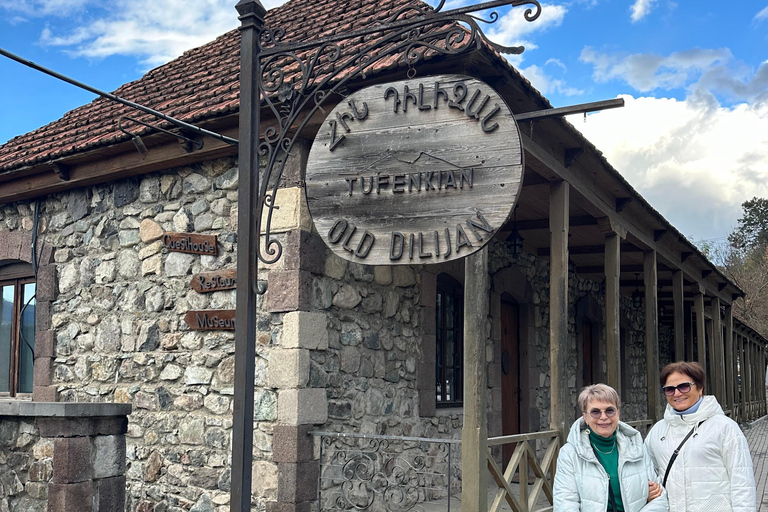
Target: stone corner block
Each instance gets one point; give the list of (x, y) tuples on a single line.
[(306, 252), (277, 506), (72, 460), (42, 371), (76, 497), (44, 394), (288, 368), (292, 212), (46, 288), (108, 456), (289, 291), (297, 482), (428, 289), (110, 494), (303, 329), (292, 443), (302, 406), (45, 341)]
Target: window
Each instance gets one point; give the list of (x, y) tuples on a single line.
[(449, 342), (17, 329)]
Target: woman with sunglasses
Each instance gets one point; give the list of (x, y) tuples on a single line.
[(712, 471), (604, 466)]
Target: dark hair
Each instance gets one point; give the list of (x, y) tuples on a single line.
[(691, 369)]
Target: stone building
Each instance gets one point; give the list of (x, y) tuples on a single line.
[(586, 277)]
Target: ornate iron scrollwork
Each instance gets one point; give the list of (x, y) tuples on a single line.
[(383, 473), (297, 78)]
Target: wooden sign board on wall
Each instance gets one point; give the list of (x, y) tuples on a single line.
[(417, 171), (211, 320), (207, 282), (191, 243)]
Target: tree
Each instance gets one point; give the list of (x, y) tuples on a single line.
[(751, 234)]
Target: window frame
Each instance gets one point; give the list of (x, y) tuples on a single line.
[(17, 275), (448, 286)]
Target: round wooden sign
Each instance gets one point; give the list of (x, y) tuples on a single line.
[(415, 172)]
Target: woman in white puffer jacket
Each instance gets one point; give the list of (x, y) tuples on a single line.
[(599, 445), (713, 470)]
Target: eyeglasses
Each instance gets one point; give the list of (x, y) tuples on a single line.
[(598, 413), (683, 387)]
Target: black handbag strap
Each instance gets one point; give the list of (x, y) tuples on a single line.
[(677, 452)]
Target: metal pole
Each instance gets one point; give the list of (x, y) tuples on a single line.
[(117, 99), (252, 20)]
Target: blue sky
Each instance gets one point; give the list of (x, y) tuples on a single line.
[(693, 138)]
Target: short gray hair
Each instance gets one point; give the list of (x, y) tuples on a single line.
[(600, 392)]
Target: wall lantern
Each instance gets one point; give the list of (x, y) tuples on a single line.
[(637, 295), (515, 243), (515, 239)]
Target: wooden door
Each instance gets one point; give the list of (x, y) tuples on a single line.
[(510, 373)]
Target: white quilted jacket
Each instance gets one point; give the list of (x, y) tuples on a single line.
[(581, 483), (713, 472)]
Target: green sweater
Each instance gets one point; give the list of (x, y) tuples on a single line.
[(607, 453)]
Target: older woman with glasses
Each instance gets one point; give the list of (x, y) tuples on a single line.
[(604, 466), (700, 453)]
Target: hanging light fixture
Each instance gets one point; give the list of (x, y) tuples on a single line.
[(637, 295), (515, 239)]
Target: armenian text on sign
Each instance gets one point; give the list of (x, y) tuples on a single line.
[(211, 319), (417, 171), (207, 282), (191, 243)]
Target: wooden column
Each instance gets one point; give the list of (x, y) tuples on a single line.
[(701, 338), (559, 206), (730, 361), (710, 351), (748, 384), (717, 355), (613, 236), (679, 311), (474, 434), (651, 334), (742, 380), (688, 314)]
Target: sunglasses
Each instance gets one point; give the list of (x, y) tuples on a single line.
[(683, 387), (598, 413)]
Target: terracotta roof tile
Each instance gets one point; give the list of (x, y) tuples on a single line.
[(200, 84)]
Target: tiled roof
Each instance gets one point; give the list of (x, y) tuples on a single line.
[(202, 83)]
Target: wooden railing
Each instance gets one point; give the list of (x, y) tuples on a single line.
[(641, 426), (523, 460)]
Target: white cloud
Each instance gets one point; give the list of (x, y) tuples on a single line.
[(155, 32), (762, 15), (711, 70), (513, 29), (693, 159), (647, 71), (640, 9), (547, 84), (38, 8)]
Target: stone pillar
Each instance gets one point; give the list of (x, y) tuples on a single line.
[(716, 353), (301, 403), (701, 337), (559, 207), (474, 434), (730, 361), (88, 455), (613, 236), (679, 326), (651, 335)]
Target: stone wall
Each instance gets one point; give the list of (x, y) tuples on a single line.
[(25, 466), (62, 457), (338, 344)]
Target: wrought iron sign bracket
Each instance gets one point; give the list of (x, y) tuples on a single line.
[(292, 100)]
